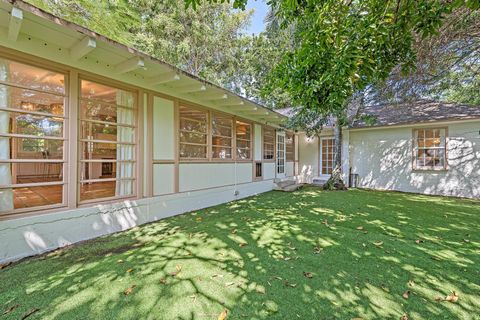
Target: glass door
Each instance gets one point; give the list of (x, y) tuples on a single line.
[(280, 163), (327, 156)]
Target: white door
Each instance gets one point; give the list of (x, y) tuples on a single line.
[(280, 161), (327, 155)]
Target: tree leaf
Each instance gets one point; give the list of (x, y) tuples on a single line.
[(129, 290), (223, 315), (10, 309), (452, 297), (406, 294), (308, 274), (29, 313)]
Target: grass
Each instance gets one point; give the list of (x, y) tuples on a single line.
[(309, 255)]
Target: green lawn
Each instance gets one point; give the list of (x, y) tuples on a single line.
[(311, 254)]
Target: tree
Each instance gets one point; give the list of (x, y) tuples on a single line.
[(206, 43), (344, 46)]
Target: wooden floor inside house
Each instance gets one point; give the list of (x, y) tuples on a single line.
[(49, 195)]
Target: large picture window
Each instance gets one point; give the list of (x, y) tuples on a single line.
[(107, 141), (289, 147), (193, 133), (32, 137), (430, 149), (222, 137), (268, 143), (243, 132)]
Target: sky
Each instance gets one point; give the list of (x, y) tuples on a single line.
[(261, 10)]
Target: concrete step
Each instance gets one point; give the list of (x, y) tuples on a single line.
[(291, 188), (319, 182), (285, 183)]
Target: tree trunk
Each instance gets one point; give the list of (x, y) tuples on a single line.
[(335, 182)]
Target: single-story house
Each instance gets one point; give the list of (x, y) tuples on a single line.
[(96, 137)]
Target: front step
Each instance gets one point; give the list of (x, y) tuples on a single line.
[(319, 182), (287, 185)]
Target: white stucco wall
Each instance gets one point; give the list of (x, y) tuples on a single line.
[(26, 236), (383, 160), (308, 158)]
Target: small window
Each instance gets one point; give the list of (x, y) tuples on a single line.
[(193, 133), (290, 147), (222, 137), (258, 169), (328, 155), (429, 149), (268, 143), (243, 132)]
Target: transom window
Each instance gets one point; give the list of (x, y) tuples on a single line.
[(222, 137), (289, 147), (32, 137), (268, 143), (243, 131), (193, 133), (107, 141), (429, 149)]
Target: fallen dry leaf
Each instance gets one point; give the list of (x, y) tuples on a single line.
[(452, 297), (437, 298), (243, 244), (223, 315), (360, 228), (234, 231), (404, 317), (29, 313), (130, 270), (384, 288), (317, 250), (163, 281), (357, 318), (378, 243), (199, 219), (406, 294), (260, 290), (11, 309), (228, 284), (129, 290), (120, 261), (288, 284), (411, 283), (466, 240), (418, 241), (435, 258), (308, 274), (3, 266)]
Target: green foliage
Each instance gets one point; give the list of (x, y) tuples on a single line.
[(207, 42), (112, 18)]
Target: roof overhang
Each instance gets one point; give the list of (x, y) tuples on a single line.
[(28, 29)]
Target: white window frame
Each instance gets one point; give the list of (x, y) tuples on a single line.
[(416, 148)]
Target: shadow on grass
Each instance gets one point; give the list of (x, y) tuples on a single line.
[(364, 249)]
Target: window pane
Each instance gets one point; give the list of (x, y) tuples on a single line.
[(31, 197), (100, 92), (36, 125), (33, 172), (106, 170), (216, 141), (100, 131), (222, 126), (221, 153), (93, 110), (27, 148), (193, 151), (30, 100), (243, 144), (243, 154), (192, 137), (32, 77), (100, 150), (96, 190)]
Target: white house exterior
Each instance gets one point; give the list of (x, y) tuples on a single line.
[(426, 147), (96, 138)]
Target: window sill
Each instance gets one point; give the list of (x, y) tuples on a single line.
[(430, 170)]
